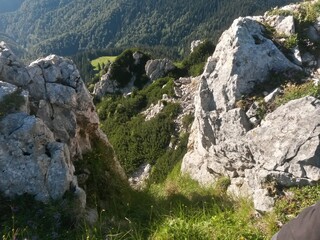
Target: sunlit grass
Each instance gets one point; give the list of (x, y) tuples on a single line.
[(102, 60)]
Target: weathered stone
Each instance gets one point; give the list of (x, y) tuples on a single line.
[(222, 141), (282, 24), (272, 95), (243, 58), (309, 60), (37, 151), (12, 70), (158, 68), (138, 179), (105, 85), (262, 201), (6, 89), (31, 161)]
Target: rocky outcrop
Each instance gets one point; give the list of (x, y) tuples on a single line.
[(158, 68), (133, 65), (39, 145), (223, 142), (105, 85)]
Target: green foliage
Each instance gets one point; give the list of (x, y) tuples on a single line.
[(168, 160), (135, 140), (295, 91), (124, 69), (105, 186), (25, 218), (11, 102), (309, 12), (295, 200), (102, 60), (187, 120), (222, 184), (68, 26), (291, 41), (195, 62)]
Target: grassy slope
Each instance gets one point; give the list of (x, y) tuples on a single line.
[(101, 60)]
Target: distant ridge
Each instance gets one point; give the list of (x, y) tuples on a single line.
[(66, 26)]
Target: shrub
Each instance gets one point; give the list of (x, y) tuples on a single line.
[(295, 91)]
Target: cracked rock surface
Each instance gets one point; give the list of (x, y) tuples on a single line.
[(282, 151), (40, 142)]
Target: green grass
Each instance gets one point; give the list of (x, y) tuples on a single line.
[(102, 60), (296, 91)]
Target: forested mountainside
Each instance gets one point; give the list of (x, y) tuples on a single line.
[(66, 26), (9, 6)]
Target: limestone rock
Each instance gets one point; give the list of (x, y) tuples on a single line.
[(223, 139), (31, 161), (57, 124), (158, 68), (105, 85), (243, 58), (280, 140), (282, 24), (11, 69), (139, 178)]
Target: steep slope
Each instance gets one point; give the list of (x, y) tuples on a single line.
[(227, 139), (66, 26)]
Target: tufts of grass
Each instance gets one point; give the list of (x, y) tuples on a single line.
[(295, 91), (294, 201), (102, 61)]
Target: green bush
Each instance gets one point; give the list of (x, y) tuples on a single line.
[(123, 69), (105, 186)]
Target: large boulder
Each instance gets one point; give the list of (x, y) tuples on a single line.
[(221, 142), (158, 68), (40, 142)]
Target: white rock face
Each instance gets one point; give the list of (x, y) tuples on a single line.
[(222, 143), (40, 141), (282, 24), (158, 68), (105, 85)]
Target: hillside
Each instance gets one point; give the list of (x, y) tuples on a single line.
[(64, 27), (211, 147)]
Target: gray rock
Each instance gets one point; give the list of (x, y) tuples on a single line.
[(105, 85), (138, 179), (271, 97), (12, 70), (31, 161), (222, 141), (282, 24), (243, 58), (6, 89), (309, 60), (313, 34), (37, 151), (158, 68)]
